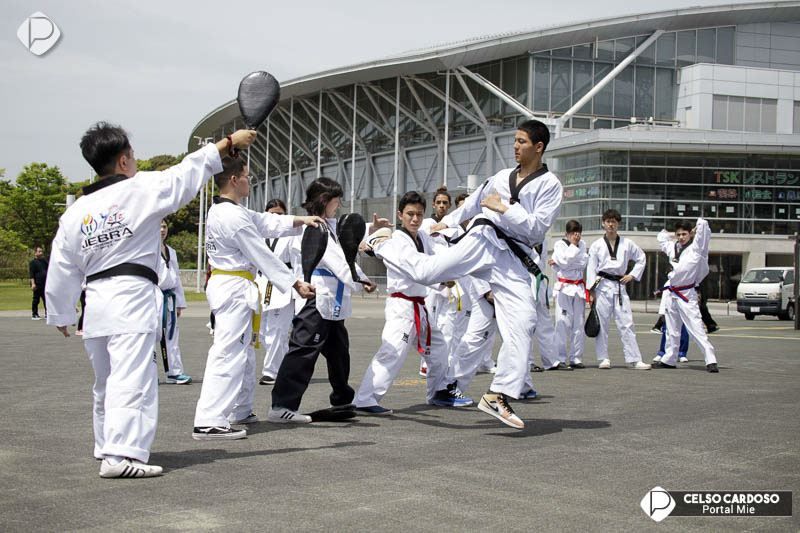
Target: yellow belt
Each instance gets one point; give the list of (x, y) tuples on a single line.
[(256, 315), (457, 298)]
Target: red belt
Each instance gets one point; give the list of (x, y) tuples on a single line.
[(679, 291), (577, 282), (418, 301)]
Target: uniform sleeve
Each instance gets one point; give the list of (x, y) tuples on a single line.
[(664, 241), (360, 274), (471, 206), (638, 256), (252, 245), (569, 256), (63, 286), (702, 236), (591, 268), (180, 297), (271, 225), (176, 186), (535, 225)]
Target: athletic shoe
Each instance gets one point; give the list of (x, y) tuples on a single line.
[(683, 359), (663, 365), (252, 418), (266, 380), (712, 329), (536, 368), (577, 364), (374, 240), (496, 404), (605, 363), (639, 365), (529, 394), (180, 379), (218, 433), (374, 410), (560, 366), (712, 367), (36, 317), (655, 329), (281, 415), (450, 397), (79, 333), (657, 359), (128, 468)]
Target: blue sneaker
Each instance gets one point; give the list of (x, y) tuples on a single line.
[(450, 397), (180, 379), (529, 394), (375, 410)]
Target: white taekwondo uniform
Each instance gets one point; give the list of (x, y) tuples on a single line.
[(319, 328), (277, 310), (408, 324), (611, 296), (571, 296), (169, 281), (474, 351), (682, 299), (235, 244), (545, 333), (116, 222), (485, 255)]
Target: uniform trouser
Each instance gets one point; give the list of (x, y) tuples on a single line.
[(443, 314), (545, 333), (510, 283), (174, 361), (275, 326), (688, 314), (399, 335), (569, 326), (312, 334), (471, 353), (38, 293), (683, 348), (229, 377), (608, 304), (125, 394)]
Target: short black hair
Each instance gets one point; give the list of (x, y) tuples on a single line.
[(319, 193), (411, 197), (231, 166), (442, 191), (684, 225), (612, 213), (275, 202), (102, 144), (461, 197), (537, 132), (573, 226)]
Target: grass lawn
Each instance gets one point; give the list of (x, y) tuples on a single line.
[(16, 296)]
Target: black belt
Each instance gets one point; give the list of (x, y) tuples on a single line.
[(125, 269), (513, 245), (613, 277)]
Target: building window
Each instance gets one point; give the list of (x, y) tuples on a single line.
[(796, 127), (737, 113)]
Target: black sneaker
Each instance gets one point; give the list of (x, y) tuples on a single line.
[(560, 366), (712, 328), (266, 380), (659, 364), (218, 433), (713, 368)]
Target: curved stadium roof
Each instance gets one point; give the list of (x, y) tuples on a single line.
[(487, 48)]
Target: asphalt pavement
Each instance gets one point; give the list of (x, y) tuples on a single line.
[(594, 444)]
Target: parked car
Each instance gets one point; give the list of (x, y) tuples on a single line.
[(767, 291)]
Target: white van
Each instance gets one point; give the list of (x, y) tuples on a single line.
[(767, 291)]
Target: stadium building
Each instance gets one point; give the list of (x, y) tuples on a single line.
[(662, 116)]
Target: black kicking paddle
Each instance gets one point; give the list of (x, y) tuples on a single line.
[(259, 93), (351, 229), (312, 248)]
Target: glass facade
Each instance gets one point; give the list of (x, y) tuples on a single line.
[(737, 193)]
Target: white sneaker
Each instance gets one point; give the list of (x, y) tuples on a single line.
[(638, 365), (605, 363), (496, 405), (128, 468), (252, 418), (282, 415), (374, 240), (218, 433), (657, 359), (683, 359)]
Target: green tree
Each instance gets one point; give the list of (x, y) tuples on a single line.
[(185, 244), (31, 207)]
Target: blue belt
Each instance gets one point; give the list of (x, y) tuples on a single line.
[(339, 289), (167, 295)]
